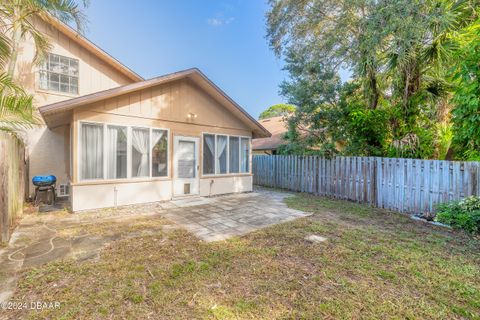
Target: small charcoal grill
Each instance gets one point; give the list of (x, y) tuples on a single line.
[(44, 184)]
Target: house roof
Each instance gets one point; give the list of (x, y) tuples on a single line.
[(93, 48), (277, 127), (59, 113)]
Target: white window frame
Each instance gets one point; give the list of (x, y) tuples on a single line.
[(228, 155), (79, 149), (129, 152), (41, 69)]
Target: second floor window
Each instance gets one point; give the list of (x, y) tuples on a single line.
[(59, 73)]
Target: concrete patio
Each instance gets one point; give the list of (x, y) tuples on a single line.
[(44, 237), (220, 218)]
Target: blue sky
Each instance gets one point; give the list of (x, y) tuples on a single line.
[(224, 38)]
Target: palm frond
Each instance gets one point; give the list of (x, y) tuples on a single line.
[(5, 49), (16, 106), (67, 11)]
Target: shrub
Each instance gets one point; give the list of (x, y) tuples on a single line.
[(463, 214)]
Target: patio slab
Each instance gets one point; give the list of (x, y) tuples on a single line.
[(233, 215)]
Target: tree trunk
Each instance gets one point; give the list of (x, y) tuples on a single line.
[(16, 37), (374, 88)]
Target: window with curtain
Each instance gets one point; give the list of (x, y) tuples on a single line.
[(140, 152), (244, 155), (91, 151), (234, 154), (208, 154), (221, 160), (116, 152), (159, 153)]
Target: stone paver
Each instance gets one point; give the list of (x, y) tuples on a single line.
[(45, 237), (233, 215)]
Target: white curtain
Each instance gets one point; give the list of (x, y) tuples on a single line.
[(208, 154), (221, 161), (112, 152), (140, 141), (210, 144), (92, 151)]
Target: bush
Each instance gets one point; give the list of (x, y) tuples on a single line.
[(463, 214)]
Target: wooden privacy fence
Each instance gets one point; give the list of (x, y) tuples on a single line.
[(404, 185), (12, 182)]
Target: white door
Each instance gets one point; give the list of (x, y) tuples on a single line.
[(185, 166)]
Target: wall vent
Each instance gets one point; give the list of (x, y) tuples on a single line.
[(63, 190)]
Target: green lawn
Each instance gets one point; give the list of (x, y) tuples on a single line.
[(375, 264)]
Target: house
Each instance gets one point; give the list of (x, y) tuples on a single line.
[(277, 126), (113, 138)]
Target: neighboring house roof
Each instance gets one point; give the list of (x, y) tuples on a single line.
[(93, 48), (277, 127), (59, 113)]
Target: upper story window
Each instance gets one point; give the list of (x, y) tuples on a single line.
[(59, 73)]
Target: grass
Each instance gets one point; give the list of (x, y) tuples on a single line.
[(375, 264)]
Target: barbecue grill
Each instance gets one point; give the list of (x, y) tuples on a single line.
[(44, 184)]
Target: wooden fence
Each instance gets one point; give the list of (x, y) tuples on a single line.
[(12, 183), (404, 185)]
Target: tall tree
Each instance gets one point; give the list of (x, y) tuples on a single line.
[(277, 110), (398, 52), (466, 118)]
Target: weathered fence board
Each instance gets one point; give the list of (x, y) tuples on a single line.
[(12, 182), (404, 185)]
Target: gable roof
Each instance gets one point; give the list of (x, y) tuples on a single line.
[(93, 48), (277, 127), (57, 114)]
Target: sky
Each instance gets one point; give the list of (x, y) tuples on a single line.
[(225, 39)]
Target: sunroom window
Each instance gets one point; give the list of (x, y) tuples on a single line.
[(59, 73), (120, 152), (234, 154), (91, 151), (116, 152), (225, 154), (140, 152), (221, 159), (208, 154), (159, 153), (244, 155)]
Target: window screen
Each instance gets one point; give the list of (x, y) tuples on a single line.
[(245, 155), (159, 153), (116, 152), (91, 151), (234, 152), (221, 161), (208, 154), (140, 152)]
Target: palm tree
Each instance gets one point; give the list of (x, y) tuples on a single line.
[(16, 106), (16, 23), (18, 20)]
